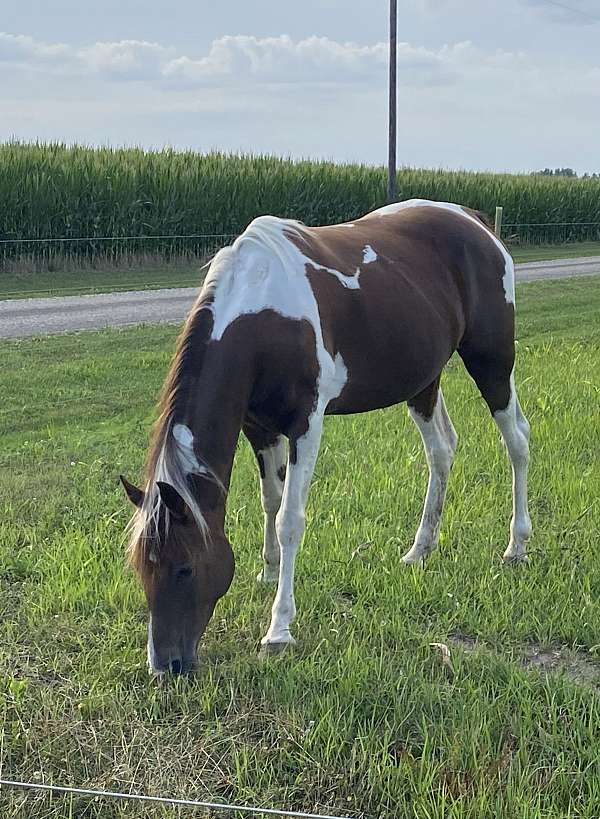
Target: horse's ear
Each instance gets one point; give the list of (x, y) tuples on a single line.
[(135, 495), (172, 500)]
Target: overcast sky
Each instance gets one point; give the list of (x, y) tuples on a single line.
[(483, 84)]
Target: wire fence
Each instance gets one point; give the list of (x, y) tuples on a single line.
[(550, 233), (68, 253), (163, 800), (48, 266), (55, 253)]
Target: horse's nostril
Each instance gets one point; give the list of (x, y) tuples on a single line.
[(176, 666)]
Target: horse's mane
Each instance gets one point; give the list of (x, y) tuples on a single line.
[(171, 456), (273, 233)]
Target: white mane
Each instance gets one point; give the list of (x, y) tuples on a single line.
[(273, 234), (267, 233)]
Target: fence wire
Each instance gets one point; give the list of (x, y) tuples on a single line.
[(542, 233), (52, 254), (101, 249), (165, 800)]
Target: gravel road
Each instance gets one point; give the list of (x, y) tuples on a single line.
[(20, 318)]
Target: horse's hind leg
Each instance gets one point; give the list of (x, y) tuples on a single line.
[(493, 374), (428, 411), (515, 431), (271, 455)]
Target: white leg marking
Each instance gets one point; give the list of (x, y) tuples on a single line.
[(515, 431), (290, 529), (271, 490), (440, 439)]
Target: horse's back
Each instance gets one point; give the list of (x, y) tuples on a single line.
[(419, 278)]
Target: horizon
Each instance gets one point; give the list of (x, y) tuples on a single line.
[(509, 88), (590, 174)]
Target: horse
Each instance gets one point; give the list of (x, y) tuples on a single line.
[(294, 323)]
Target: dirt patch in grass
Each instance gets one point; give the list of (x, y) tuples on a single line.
[(562, 660), (549, 660)]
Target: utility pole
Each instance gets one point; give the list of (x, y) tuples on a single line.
[(392, 112)]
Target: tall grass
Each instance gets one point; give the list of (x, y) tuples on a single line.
[(54, 190)]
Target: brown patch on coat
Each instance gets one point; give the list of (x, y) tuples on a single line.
[(424, 403), (284, 390)]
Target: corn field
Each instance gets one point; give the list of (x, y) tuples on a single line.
[(66, 192)]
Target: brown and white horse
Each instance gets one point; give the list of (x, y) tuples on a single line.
[(294, 323)]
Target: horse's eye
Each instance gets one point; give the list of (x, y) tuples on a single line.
[(183, 572)]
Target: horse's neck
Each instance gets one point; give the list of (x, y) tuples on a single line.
[(214, 410)]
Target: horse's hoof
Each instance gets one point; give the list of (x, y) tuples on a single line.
[(275, 649), (417, 559), (514, 559)]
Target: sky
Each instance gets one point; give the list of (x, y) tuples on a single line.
[(506, 85)]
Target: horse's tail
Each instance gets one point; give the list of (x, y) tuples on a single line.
[(483, 218)]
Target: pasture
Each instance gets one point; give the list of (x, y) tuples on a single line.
[(364, 719)]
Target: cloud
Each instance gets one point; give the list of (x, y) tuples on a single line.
[(243, 61), (21, 49), (281, 60), (127, 59), (240, 59), (579, 12)]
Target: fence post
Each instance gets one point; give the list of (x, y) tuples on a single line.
[(498, 223)]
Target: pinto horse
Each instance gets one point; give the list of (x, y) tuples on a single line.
[(294, 323)]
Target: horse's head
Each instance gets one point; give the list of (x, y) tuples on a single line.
[(184, 569)]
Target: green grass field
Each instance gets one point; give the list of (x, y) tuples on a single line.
[(364, 719), (28, 284), (103, 280)]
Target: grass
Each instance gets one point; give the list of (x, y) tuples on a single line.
[(146, 276), (363, 719), (110, 279), (542, 253)]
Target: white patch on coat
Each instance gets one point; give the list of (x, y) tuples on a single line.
[(508, 280), (265, 270), (350, 282), (185, 444), (369, 255)]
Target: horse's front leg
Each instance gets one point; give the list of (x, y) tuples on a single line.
[(290, 529), (270, 451)]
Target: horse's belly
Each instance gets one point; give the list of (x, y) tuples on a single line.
[(380, 375), (367, 397)]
